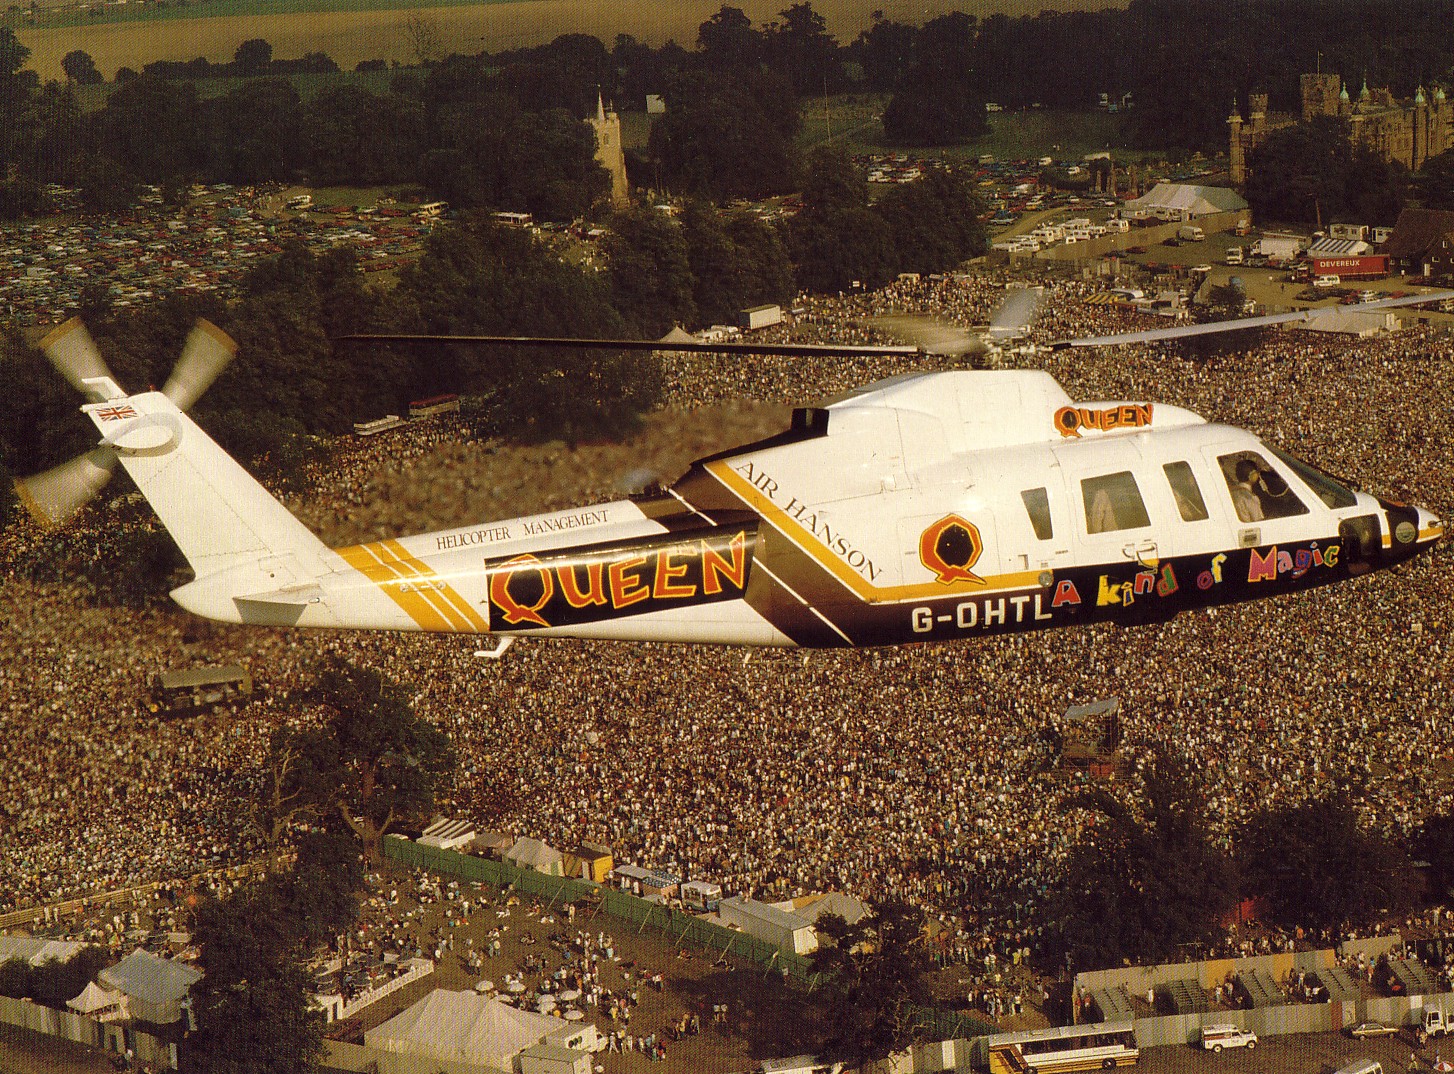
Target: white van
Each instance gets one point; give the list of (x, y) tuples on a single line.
[(1361, 1066), (1326, 281), (1215, 1038)]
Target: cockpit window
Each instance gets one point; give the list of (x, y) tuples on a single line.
[(1186, 492), (1037, 504), (1331, 492), (1113, 502), (1258, 491)]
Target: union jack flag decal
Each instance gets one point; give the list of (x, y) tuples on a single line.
[(115, 413)]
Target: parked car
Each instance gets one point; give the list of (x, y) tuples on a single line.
[(1215, 1038), (1364, 1030)]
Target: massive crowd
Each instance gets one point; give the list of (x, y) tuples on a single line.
[(922, 771)]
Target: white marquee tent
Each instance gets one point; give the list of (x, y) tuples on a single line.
[(461, 1027)]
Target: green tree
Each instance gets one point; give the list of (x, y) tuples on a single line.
[(488, 153), (935, 222), (255, 132), (727, 136), (149, 128), (1312, 173), (54, 982), (876, 974), (384, 764), (80, 68), (15, 978), (735, 260), (252, 57), (884, 51), (1434, 182), (651, 278), (1433, 842), (1318, 867), (477, 278), (253, 1007), (1145, 879), (728, 42), (359, 138), (838, 242), (931, 110), (801, 47)]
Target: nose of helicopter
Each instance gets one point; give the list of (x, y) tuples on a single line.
[(1431, 527), (1411, 529)]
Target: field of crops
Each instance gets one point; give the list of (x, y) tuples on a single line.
[(354, 30)]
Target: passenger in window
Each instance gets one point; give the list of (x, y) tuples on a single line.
[(1245, 496), (1103, 513)]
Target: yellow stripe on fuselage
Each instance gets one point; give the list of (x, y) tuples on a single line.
[(439, 592), (865, 590), (430, 602)]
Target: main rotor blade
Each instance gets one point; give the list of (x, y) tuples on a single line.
[(1016, 311), (695, 347), (207, 351), (54, 497), (931, 336), (1212, 327), (76, 357)]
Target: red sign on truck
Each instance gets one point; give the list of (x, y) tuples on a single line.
[(1361, 267)]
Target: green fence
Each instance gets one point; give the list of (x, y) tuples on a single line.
[(680, 929), (677, 927)]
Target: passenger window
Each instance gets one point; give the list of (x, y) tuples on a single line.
[(1258, 491), (1113, 502), (1037, 504), (1186, 492)]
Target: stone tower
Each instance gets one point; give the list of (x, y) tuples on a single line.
[(1320, 95), (609, 152)]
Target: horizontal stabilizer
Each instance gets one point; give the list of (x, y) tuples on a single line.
[(299, 595)]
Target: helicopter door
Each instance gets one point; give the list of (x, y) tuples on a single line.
[(1112, 508), (1260, 504)]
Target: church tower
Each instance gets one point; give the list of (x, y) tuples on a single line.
[(609, 152)]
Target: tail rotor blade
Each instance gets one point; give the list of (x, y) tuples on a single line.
[(74, 354), (54, 497), (205, 356)]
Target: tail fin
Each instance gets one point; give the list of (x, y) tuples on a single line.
[(218, 514)]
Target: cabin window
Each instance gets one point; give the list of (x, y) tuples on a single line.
[(1258, 491), (1113, 502), (1037, 504), (1333, 493), (1186, 492)]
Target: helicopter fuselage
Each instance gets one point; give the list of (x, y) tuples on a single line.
[(926, 508)]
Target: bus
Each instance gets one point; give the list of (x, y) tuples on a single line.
[(1100, 1046)]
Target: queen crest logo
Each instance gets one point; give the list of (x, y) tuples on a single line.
[(950, 548)]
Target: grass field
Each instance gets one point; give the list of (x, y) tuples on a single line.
[(853, 123), (354, 30)]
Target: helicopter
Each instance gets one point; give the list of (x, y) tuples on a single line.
[(929, 506)]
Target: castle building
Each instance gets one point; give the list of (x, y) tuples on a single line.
[(1409, 132), (609, 152)]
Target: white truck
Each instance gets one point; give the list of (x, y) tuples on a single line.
[(1280, 248), (1235, 255), (1190, 233), (761, 316)]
